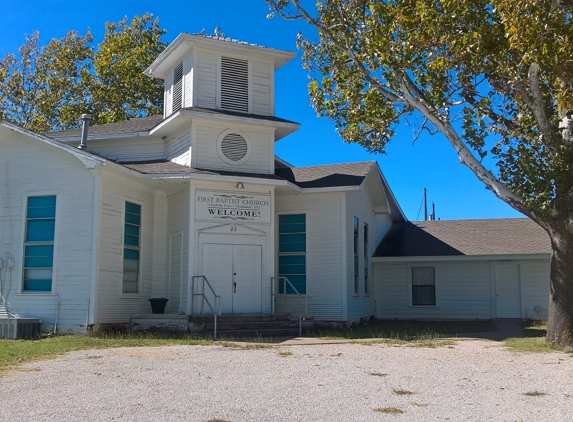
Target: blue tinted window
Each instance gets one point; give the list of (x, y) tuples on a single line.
[(131, 242), (39, 243), (292, 253)]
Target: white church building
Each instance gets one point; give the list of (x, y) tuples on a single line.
[(153, 207)]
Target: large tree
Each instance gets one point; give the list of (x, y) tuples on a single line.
[(49, 87), (494, 77)]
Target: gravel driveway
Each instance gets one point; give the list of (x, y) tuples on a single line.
[(470, 381)]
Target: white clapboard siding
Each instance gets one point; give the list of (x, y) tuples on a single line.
[(160, 246), (323, 263), (30, 167), (112, 306), (383, 222), (357, 205), (207, 156), (141, 148), (262, 88), (178, 221), (535, 277), (177, 147), (206, 80), (188, 81), (463, 291)]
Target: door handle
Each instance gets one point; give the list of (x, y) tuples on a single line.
[(235, 286)]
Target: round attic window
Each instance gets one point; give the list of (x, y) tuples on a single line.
[(233, 147)]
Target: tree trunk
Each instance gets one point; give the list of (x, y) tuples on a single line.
[(560, 318)]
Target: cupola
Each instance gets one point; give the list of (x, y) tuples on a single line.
[(218, 73)]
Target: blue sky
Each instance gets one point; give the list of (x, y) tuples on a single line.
[(429, 163)]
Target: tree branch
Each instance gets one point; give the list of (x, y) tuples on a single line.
[(361, 67), (464, 154)]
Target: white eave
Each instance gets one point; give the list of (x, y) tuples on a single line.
[(184, 42), (168, 125), (89, 160)]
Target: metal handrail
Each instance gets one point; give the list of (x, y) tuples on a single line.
[(300, 296), (217, 301)]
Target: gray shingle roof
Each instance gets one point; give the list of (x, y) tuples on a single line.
[(332, 175), (142, 124), (145, 124), (169, 167), (502, 236)]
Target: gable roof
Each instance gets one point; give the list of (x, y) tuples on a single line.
[(89, 159), (502, 236), (331, 175)]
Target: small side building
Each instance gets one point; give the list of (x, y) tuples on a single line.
[(463, 269)]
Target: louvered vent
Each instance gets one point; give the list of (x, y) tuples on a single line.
[(177, 87), (234, 147), (234, 84)]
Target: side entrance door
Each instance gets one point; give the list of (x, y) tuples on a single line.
[(234, 271), (507, 291)]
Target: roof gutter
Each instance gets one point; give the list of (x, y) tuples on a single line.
[(506, 257)]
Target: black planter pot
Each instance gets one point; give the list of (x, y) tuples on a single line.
[(158, 305)]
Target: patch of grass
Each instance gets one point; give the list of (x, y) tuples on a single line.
[(535, 394), (285, 354), (244, 346), (400, 392), (535, 328), (407, 330), (14, 353), (428, 343), (388, 410), (378, 374), (533, 345)]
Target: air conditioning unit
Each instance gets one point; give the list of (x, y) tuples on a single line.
[(20, 328)]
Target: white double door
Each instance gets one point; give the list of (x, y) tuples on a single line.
[(234, 271)]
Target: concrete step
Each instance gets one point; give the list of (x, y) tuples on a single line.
[(240, 318), (248, 334), (251, 325)]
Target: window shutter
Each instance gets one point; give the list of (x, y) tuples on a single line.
[(234, 84), (177, 87)]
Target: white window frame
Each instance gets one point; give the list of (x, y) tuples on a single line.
[(305, 253), (356, 255), (139, 272), (366, 276), (411, 281), (220, 150), (23, 232)]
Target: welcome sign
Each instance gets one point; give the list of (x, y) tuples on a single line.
[(221, 206)]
